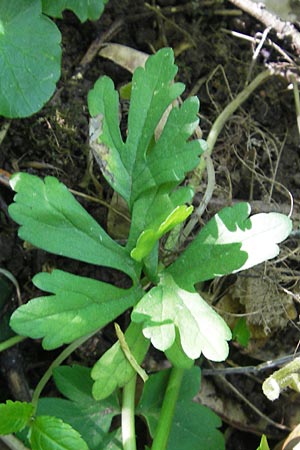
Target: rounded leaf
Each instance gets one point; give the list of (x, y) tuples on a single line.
[(30, 57)]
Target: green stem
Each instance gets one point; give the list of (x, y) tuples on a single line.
[(222, 119), (48, 374), (167, 411), (128, 418), (11, 342)]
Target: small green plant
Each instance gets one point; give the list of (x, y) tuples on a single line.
[(30, 52), (148, 171)]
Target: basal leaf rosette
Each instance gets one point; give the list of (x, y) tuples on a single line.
[(167, 308)]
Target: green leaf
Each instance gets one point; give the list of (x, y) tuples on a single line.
[(53, 220), (90, 418), (153, 208), (51, 433), (167, 308), (78, 307), (30, 57), (241, 332), (113, 370), (91, 9), (149, 237), (140, 163), (194, 425), (14, 416), (263, 444), (230, 242)]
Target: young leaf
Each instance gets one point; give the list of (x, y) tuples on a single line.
[(141, 163), (78, 307), (53, 220), (167, 307), (14, 416), (90, 418), (50, 433), (263, 443), (194, 425), (30, 56), (149, 237), (230, 242), (113, 370), (84, 10)]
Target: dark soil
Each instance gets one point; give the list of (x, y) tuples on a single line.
[(256, 159)]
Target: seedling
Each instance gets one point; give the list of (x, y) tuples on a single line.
[(148, 172)]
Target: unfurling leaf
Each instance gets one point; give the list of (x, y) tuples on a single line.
[(167, 308)]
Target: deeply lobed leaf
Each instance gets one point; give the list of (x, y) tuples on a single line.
[(167, 308), (53, 220), (141, 164), (78, 307), (231, 241)]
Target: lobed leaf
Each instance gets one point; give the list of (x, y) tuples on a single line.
[(30, 57), (141, 164), (90, 418), (167, 308), (230, 242), (14, 416), (193, 429), (91, 9), (78, 307), (53, 220), (51, 433), (113, 370)]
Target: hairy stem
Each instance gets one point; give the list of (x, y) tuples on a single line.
[(128, 419), (167, 411), (13, 443)]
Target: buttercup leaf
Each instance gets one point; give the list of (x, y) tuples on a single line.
[(167, 308), (30, 56), (91, 9), (231, 241), (78, 307), (140, 164), (113, 370), (53, 220)]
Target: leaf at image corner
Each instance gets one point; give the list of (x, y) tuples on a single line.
[(14, 416), (167, 307), (83, 9), (51, 433), (30, 57)]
